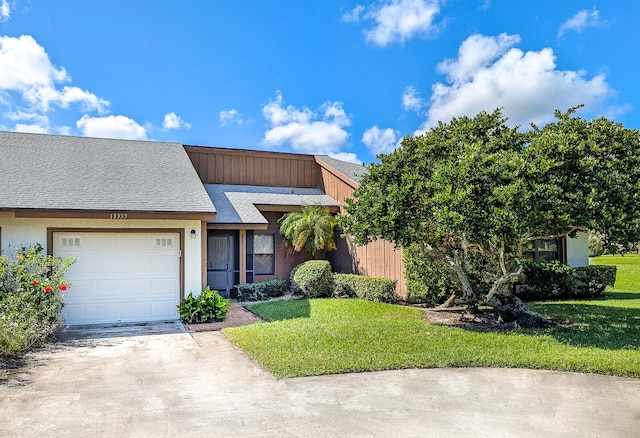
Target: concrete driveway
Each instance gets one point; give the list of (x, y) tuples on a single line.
[(161, 381)]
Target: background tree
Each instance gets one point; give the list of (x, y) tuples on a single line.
[(310, 229), (473, 192)]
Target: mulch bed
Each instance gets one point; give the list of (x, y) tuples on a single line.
[(485, 319)]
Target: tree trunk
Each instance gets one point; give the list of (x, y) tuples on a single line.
[(468, 295), (515, 311), (450, 301)]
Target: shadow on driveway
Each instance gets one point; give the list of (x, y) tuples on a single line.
[(120, 330)]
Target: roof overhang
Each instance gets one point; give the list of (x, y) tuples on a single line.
[(107, 214), (241, 206)]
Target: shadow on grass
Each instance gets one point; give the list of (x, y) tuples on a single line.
[(611, 328), (623, 296), (282, 309)]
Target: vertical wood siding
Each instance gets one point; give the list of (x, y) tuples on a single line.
[(254, 168), (243, 167), (376, 259)]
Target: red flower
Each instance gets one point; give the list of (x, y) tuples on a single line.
[(63, 286), (47, 289), (35, 283)]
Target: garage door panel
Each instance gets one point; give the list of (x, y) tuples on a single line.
[(129, 276), (163, 309), (162, 263), (162, 287), (106, 311), (128, 263), (135, 311), (104, 241), (132, 242), (75, 312)]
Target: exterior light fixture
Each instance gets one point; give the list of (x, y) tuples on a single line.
[(193, 234)]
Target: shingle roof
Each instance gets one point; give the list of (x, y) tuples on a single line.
[(39, 171), (237, 204), (351, 170)]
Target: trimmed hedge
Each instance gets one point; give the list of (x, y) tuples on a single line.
[(312, 279), (367, 288), (261, 291), (555, 280), (593, 280)]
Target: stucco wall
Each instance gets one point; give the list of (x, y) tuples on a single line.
[(28, 231), (578, 250)]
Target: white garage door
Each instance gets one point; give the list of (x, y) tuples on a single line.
[(120, 277)]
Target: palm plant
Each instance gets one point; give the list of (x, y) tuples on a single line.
[(310, 229)]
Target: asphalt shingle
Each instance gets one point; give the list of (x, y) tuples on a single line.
[(351, 170), (40, 171), (236, 204)]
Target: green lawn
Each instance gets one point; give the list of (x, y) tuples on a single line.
[(310, 337), (628, 275)]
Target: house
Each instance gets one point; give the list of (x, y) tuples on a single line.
[(149, 222)]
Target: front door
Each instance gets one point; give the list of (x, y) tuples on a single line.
[(222, 261)]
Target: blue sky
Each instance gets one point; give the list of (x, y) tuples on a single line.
[(346, 78)]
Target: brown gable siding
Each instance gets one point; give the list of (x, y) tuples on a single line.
[(376, 259), (275, 169), (254, 168)]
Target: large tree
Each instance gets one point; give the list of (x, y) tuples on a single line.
[(473, 192)]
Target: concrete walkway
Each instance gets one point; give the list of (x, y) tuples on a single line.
[(170, 383)]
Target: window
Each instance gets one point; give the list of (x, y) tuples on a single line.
[(264, 254), (545, 250)]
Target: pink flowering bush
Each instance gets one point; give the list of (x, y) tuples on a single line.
[(30, 298)]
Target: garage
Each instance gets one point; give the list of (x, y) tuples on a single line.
[(120, 276)]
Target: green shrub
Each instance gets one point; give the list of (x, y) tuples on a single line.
[(367, 288), (312, 279), (293, 287), (428, 281), (593, 280), (543, 281), (262, 290), (30, 298), (555, 280), (206, 307)]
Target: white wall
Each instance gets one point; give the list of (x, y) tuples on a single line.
[(578, 250), (28, 231)]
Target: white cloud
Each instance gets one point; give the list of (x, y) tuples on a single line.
[(41, 128), (27, 70), (380, 141), (276, 114), (581, 21), (31, 116), (230, 117), (353, 16), (174, 121), (490, 73), (396, 21), (111, 127), (5, 10), (31, 128), (320, 131), (345, 156), (411, 100)]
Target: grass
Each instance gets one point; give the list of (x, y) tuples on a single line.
[(325, 336), (628, 274)]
